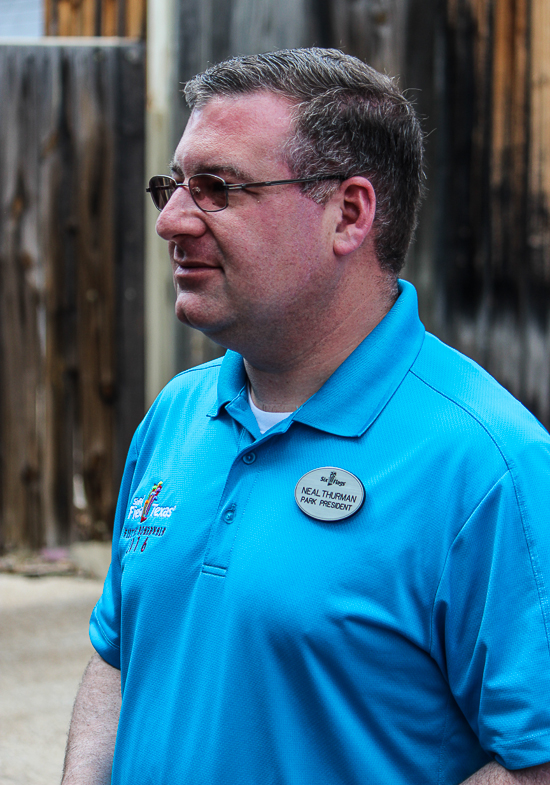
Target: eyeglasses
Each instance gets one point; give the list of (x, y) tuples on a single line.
[(210, 192)]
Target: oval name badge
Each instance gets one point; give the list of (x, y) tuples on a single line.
[(329, 493)]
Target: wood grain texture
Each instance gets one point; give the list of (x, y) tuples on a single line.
[(492, 291), (124, 18), (135, 18), (21, 310), (539, 138), (63, 266), (373, 30)]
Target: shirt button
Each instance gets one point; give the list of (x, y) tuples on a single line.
[(249, 457), (229, 514)]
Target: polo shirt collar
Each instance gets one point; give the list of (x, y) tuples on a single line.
[(355, 394)]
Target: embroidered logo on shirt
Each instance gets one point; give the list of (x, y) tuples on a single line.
[(153, 493), (143, 508), (313, 496), (149, 513)]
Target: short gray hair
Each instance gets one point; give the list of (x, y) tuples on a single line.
[(348, 119)]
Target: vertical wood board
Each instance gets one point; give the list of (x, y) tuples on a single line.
[(493, 292), (67, 336), (124, 18)]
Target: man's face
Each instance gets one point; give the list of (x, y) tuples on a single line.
[(253, 271)]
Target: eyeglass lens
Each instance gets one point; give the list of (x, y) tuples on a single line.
[(161, 189), (208, 191)]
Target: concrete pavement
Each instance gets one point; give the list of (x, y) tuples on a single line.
[(44, 648)]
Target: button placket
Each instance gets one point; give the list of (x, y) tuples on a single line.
[(238, 487)]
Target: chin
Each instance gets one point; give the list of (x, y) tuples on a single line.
[(203, 321), (193, 313)]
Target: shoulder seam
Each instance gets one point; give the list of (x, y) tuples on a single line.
[(533, 556), (213, 364), (469, 412)]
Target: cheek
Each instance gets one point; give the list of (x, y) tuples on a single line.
[(282, 244)]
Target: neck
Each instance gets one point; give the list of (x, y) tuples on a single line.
[(284, 382)]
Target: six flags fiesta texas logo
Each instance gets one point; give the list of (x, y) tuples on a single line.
[(153, 493)]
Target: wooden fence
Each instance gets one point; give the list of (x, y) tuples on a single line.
[(489, 243), (95, 18), (71, 145), (71, 292)]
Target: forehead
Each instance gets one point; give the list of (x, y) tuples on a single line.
[(245, 133)]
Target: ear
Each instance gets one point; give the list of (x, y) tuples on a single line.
[(357, 205)]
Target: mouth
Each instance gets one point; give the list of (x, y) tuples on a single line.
[(190, 274), (184, 268)]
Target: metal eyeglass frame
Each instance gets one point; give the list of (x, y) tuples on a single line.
[(173, 185)]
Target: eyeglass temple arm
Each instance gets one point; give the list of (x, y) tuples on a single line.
[(241, 186)]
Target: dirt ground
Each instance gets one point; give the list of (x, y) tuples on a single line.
[(44, 648)]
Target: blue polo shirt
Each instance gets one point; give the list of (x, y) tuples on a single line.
[(407, 643)]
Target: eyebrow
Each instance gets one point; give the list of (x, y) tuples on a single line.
[(175, 168), (219, 169)]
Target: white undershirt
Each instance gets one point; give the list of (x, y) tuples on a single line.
[(266, 420)]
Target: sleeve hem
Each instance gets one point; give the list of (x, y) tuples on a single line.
[(101, 643), (532, 750)]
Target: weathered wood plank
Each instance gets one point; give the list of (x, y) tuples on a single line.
[(539, 136), (492, 294), (59, 307), (61, 343), (67, 21), (21, 288), (508, 137), (135, 18), (91, 104), (88, 18), (129, 252), (124, 18), (373, 30), (50, 22), (109, 18)]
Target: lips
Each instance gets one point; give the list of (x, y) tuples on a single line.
[(190, 273), (188, 265), (192, 261), (182, 258), (190, 268)]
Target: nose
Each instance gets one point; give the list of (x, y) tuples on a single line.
[(181, 216)]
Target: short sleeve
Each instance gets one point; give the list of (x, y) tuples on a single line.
[(105, 619), (490, 631)]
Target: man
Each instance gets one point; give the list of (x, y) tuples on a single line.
[(331, 557)]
